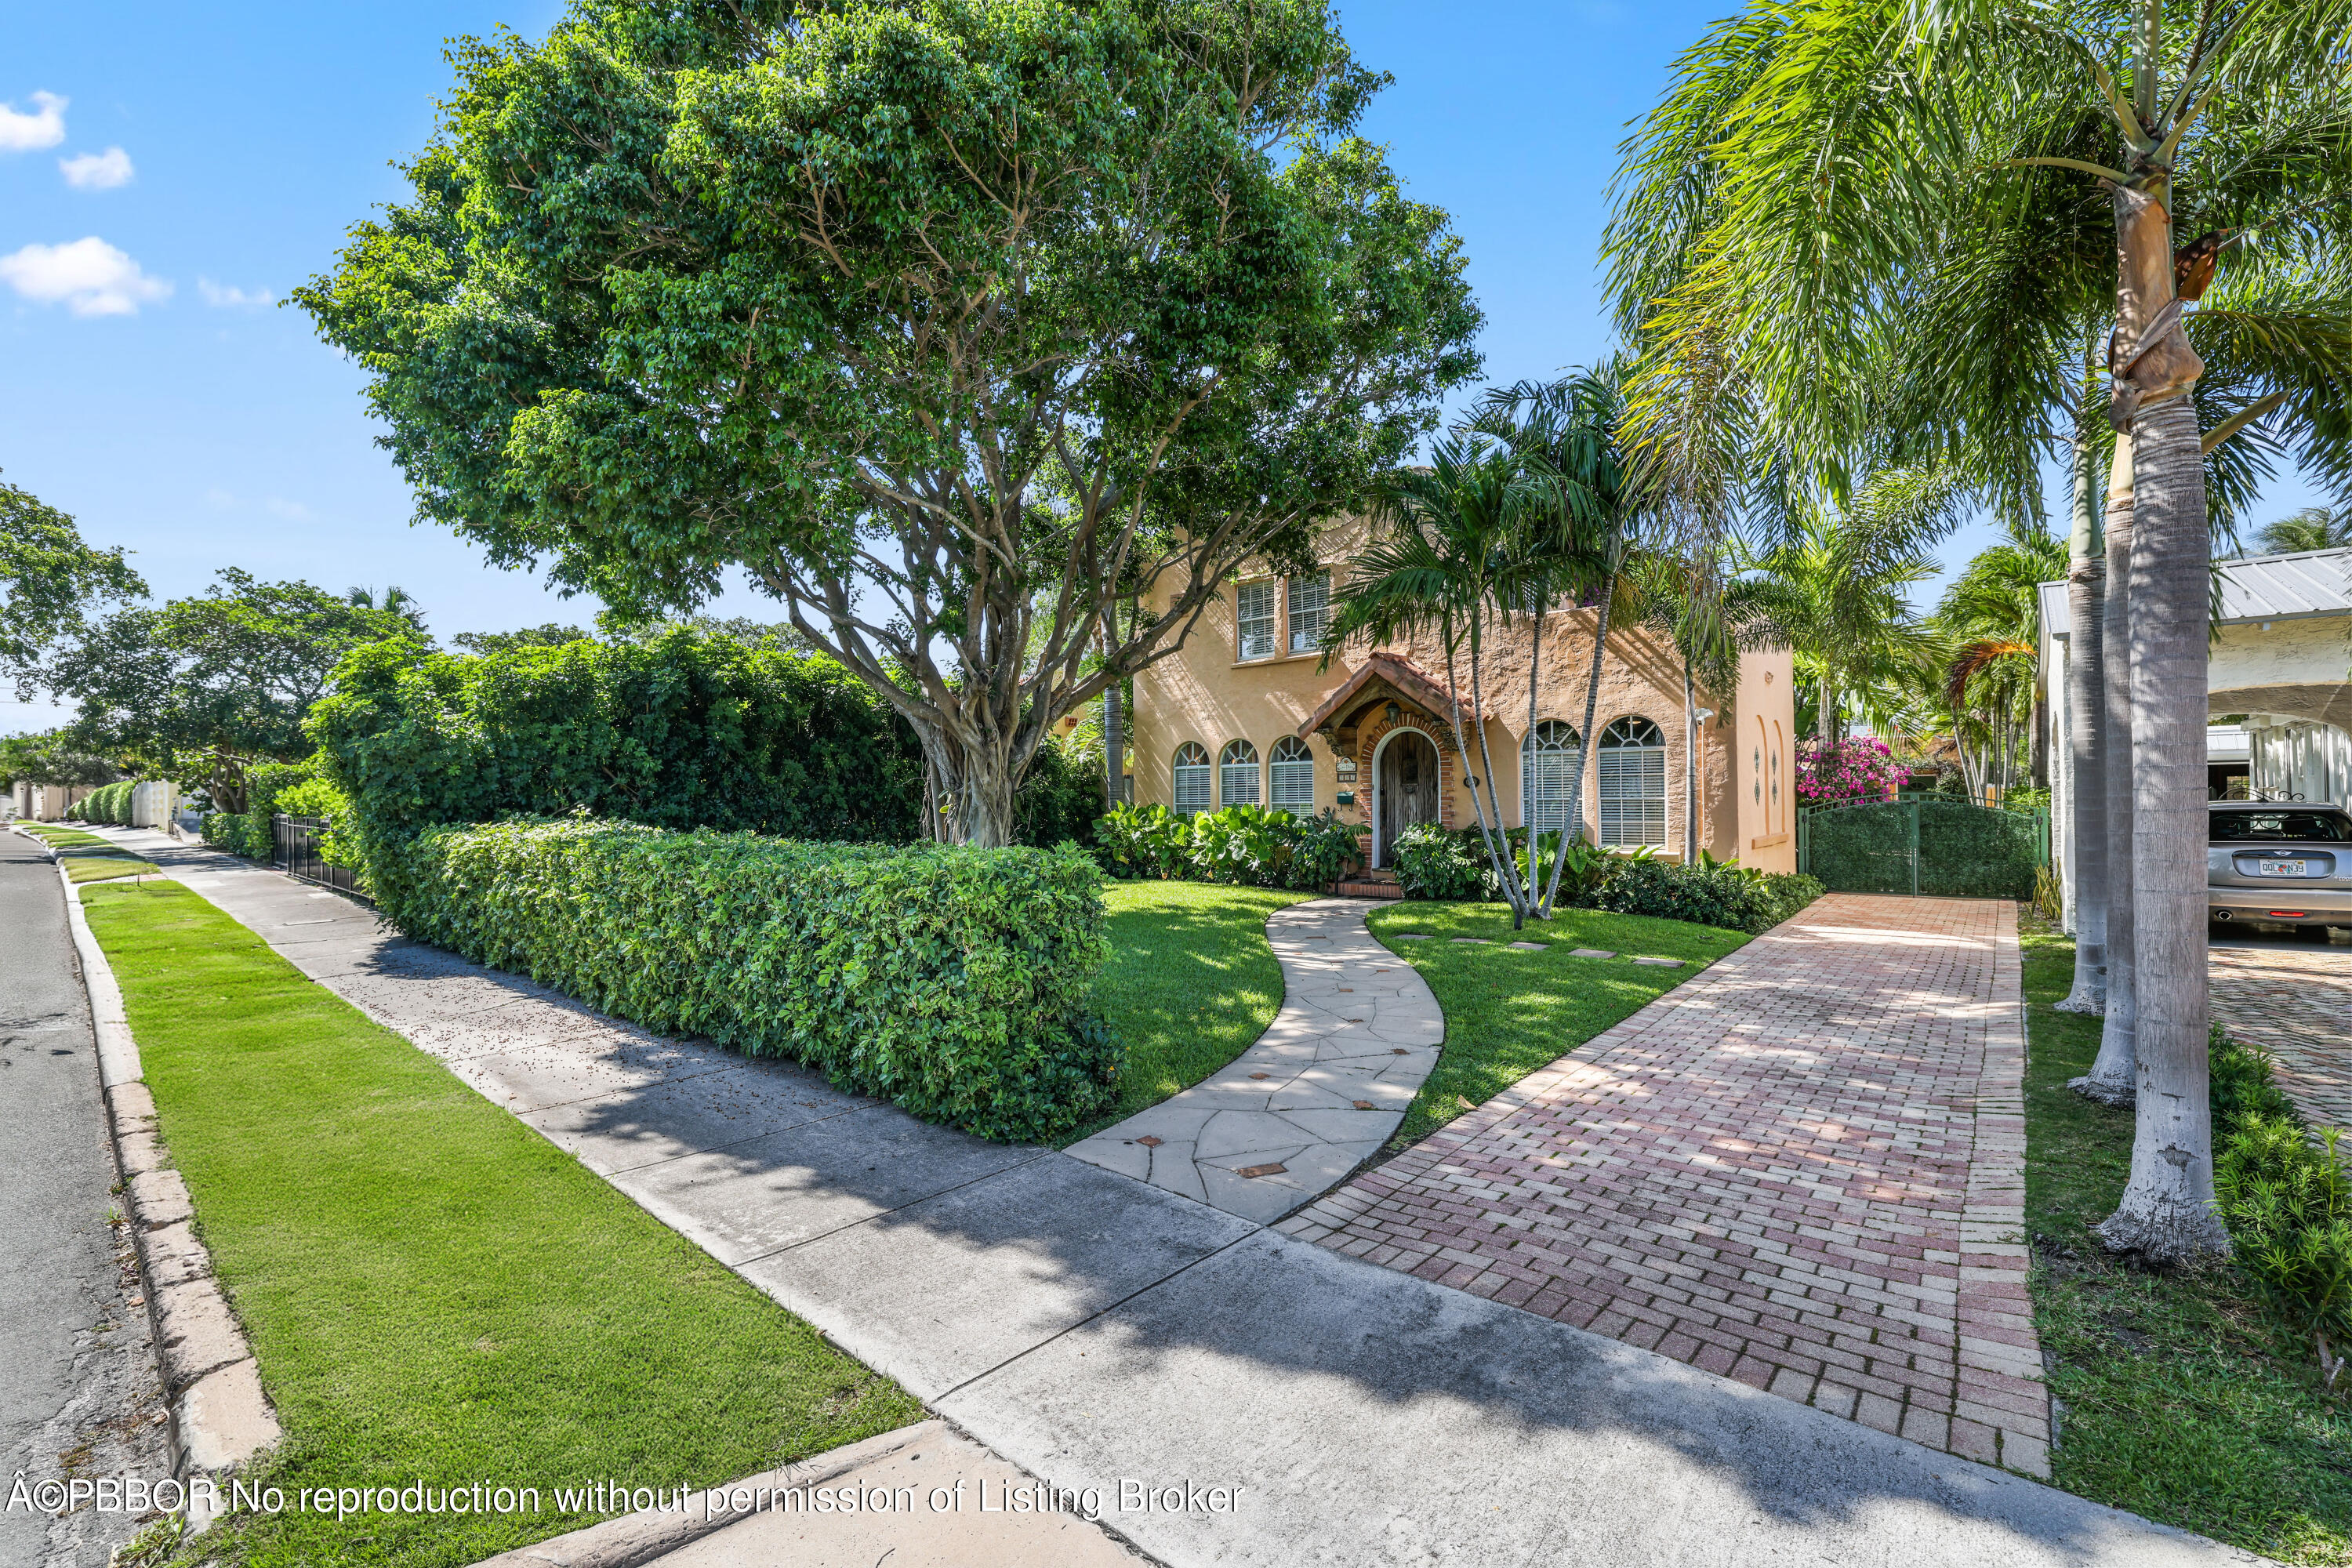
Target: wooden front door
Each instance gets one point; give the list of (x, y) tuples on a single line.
[(1408, 787)]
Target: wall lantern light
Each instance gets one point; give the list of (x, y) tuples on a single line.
[(1394, 712)]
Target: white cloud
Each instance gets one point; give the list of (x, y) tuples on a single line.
[(220, 295), (97, 171), (291, 511), (88, 277), (45, 126)]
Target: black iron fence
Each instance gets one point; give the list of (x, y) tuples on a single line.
[(294, 850)]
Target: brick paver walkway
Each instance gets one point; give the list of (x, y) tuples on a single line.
[(2296, 1003), (1803, 1169)]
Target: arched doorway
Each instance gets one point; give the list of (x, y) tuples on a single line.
[(1405, 776)]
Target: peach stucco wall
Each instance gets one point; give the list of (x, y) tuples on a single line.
[(1204, 694)]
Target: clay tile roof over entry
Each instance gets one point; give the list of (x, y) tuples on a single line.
[(1399, 675)]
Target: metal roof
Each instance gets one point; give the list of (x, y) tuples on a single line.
[(2287, 587), (2263, 588)]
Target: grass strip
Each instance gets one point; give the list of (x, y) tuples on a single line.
[(2179, 1397), (65, 838), (92, 867), (434, 1293), (1509, 1012), (1191, 982)]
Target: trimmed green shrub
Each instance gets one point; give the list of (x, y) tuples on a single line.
[(1061, 797), (1973, 852), (247, 832), (2285, 1199), (107, 804), (955, 982), (1432, 862), (1861, 848), (682, 730), (1246, 846), (1711, 893)]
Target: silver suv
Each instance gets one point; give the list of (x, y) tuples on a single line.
[(2284, 862)]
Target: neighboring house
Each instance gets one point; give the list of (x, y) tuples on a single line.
[(2281, 655), (1246, 713)]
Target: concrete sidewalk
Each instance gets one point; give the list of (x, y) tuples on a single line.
[(1094, 1329)]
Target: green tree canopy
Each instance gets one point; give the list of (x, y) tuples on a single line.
[(198, 688), (48, 578), (942, 320), (52, 757)]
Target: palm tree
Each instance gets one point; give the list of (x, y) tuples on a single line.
[(1817, 167), (2313, 527), (1839, 586), (392, 600), (1994, 607), (1450, 557), (1587, 503)]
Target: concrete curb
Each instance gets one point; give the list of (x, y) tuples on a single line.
[(647, 1536), (219, 1417)]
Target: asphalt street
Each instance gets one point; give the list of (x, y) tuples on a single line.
[(78, 1387)]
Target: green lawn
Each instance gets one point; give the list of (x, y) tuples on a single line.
[(1191, 982), (57, 838), (1509, 1013), (2181, 1400), (99, 865), (433, 1291)]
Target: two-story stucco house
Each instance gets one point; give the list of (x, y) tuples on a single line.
[(1247, 711)]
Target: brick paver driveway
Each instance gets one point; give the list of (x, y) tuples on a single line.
[(1802, 1169), (2295, 999)]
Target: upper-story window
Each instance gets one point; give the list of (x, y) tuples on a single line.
[(1310, 611), (1292, 772), (1191, 778), (1254, 620)]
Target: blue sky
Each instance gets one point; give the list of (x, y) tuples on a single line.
[(154, 389)]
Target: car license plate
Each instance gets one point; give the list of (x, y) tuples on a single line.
[(2281, 868)]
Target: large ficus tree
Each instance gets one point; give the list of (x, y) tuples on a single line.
[(49, 581), (948, 323), (1859, 220)]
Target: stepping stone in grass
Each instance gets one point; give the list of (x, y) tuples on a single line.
[(1532, 946), (1412, 936), (1662, 962), (1590, 953), (1473, 941)]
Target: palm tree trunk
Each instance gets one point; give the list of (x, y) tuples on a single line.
[(2114, 1077), (1527, 817), (1588, 750), (1498, 847), (1462, 749), (2167, 1212), (2086, 840)]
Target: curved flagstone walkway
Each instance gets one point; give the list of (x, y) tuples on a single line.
[(1802, 1169), (1316, 1095)]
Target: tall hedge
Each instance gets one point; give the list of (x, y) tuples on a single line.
[(955, 982), (683, 730)]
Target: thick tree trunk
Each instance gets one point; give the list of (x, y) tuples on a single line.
[(2086, 836), (2168, 1213), (2113, 1075), (1114, 737)]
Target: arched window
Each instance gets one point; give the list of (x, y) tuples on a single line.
[(1292, 767), (1633, 782), (1237, 775), (1549, 759), (1191, 778)]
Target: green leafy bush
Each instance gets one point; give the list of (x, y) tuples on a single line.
[(1061, 796), (682, 730), (249, 832), (107, 804), (955, 982), (1245, 846), (1965, 851), (2285, 1199), (1713, 893), (1432, 862)]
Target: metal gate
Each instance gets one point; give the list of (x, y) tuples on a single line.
[(294, 850), (1927, 844)]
